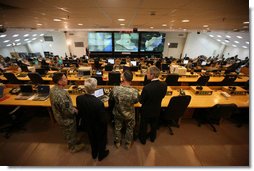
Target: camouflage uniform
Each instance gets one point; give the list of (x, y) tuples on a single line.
[(124, 97), (64, 114)]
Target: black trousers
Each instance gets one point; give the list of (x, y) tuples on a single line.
[(144, 122)]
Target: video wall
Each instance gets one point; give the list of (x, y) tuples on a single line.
[(126, 42)]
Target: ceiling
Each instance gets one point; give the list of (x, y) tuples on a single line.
[(219, 15), (212, 17)]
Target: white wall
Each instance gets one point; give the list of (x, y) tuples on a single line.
[(174, 37), (78, 36), (202, 44), (232, 51), (58, 46), (6, 51)]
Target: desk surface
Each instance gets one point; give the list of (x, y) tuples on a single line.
[(197, 101)]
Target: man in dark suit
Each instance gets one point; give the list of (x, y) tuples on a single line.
[(151, 97), (92, 112)]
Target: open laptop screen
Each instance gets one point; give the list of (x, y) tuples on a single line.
[(26, 89), (43, 89), (111, 61), (99, 92), (134, 63)]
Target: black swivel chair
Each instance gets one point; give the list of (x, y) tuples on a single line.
[(203, 80), (228, 80), (134, 68), (35, 78), (172, 80), (175, 110), (215, 114), (114, 78), (11, 78), (109, 67), (99, 79)]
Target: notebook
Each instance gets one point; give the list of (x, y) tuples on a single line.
[(100, 94), (26, 91), (42, 93)]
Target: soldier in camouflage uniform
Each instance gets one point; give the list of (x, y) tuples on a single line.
[(64, 112), (124, 98)]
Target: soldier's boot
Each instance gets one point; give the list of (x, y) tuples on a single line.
[(117, 144)]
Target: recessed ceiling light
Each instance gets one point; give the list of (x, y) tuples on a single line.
[(34, 35), (26, 39), (57, 19), (18, 43), (42, 34), (121, 19), (41, 40), (151, 27), (164, 25), (17, 40), (245, 27), (6, 41), (247, 42), (15, 35), (39, 24), (226, 40), (236, 41), (223, 43), (80, 24), (184, 29), (8, 45), (172, 21), (239, 37), (64, 18), (211, 35), (246, 22), (244, 46), (218, 35), (122, 24), (34, 38), (26, 35), (205, 26), (218, 40), (185, 21), (234, 45), (228, 36), (3, 35), (29, 41)]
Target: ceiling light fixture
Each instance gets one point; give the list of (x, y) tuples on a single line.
[(3, 35), (236, 41), (151, 27), (122, 24), (244, 46), (42, 34), (34, 35), (218, 35), (164, 25), (239, 37), (26, 35), (6, 41), (211, 35), (205, 26), (185, 21), (8, 45), (80, 24), (228, 36), (246, 22), (17, 40), (121, 19), (234, 45), (18, 44), (57, 19), (39, 24), (15, 35), (247, 42)]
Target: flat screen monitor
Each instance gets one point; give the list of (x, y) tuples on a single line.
[(152, 42), (126, 42), (111, 61), (134, 63), (203, 63), (185, 62), (100, 42)]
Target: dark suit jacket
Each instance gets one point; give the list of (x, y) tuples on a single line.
[(92, 112), (151, 97)]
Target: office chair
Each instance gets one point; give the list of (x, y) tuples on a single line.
[(108, 67), (97, 65), (134, 68), (228, 80), (24, 68), (125, 68), (11, 120), (99, 79), (203, 80), (172, 80), (35, 78), (164, 67), (215, 114), (114, 78), (175, 110), (11, 78)]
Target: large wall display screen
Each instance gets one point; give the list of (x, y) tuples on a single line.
[(152, 42), (126, 42), (100, 42)]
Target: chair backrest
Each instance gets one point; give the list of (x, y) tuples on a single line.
[(108, 67), (125, 68), (203, 80), (114, 78), (228, 80), (172, 80), (24, 68), (176, 107), (221, 110), (99, 79), (11, 78), (35, 78), (134, 68)]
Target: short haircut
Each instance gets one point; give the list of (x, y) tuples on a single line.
[(128, 76), (57, 76), (90, 85), (154, 71)]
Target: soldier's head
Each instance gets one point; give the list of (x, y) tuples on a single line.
[(60, 79), (153, 72), (127, 76), (90, 85)]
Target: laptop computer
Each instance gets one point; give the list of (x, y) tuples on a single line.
[(26, 91), (100, 95), (42, 93)]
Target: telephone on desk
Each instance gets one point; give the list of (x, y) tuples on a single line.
[(15, 90)]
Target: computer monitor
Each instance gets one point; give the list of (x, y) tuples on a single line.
[(134, 63), (111, 61), (203, 63), (164, 67), (26, 88), (185, 62)]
